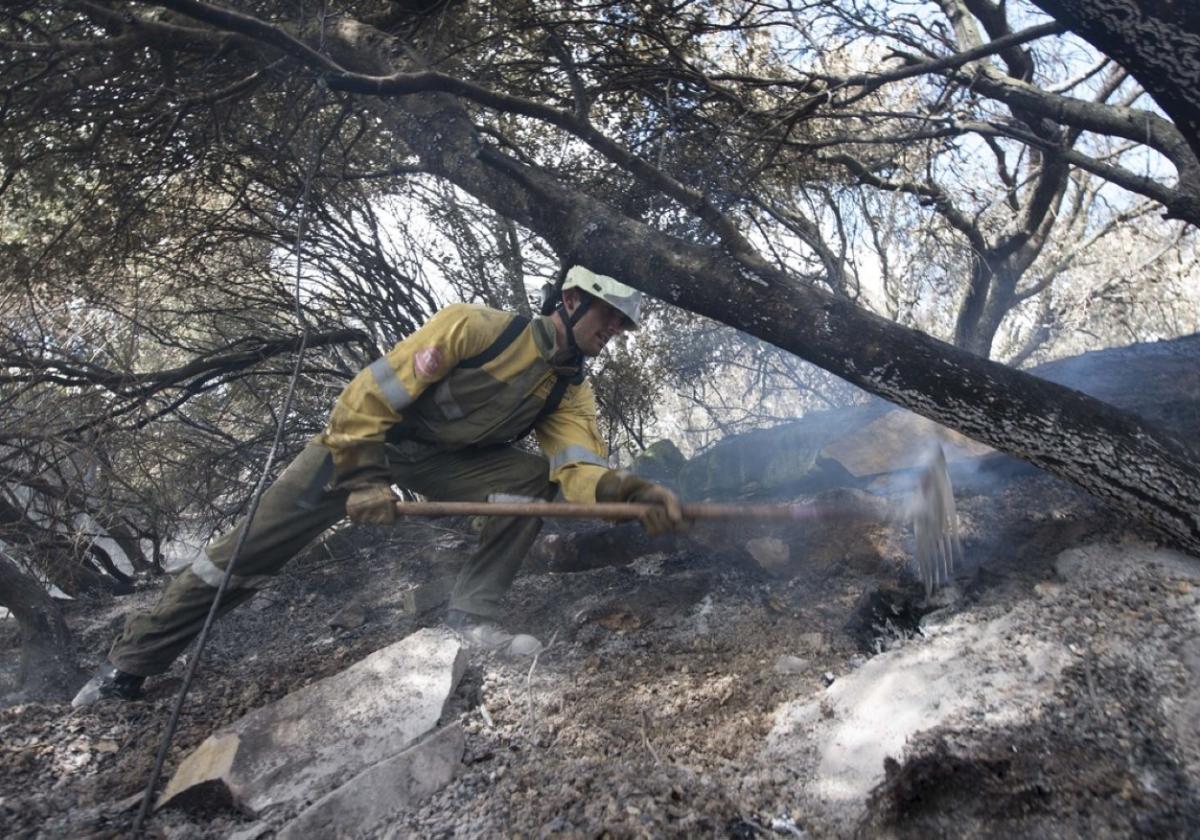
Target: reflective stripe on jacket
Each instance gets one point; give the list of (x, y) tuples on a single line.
[(418, 391)]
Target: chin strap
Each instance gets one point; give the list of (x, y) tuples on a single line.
[(569, 321)]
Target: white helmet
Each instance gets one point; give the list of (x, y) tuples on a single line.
[(625, 299)]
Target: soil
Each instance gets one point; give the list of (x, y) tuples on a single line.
[(656, 707)]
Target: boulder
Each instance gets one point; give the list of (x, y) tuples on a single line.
[(995, 672), (783, 459), (383, 789), (771, 553), (899, 440), (1158, 380), (661, 461), (322, 734)]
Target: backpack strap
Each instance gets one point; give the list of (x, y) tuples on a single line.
[(507, 336), (554, 398)]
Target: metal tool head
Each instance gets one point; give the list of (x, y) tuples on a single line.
[(935, 523)]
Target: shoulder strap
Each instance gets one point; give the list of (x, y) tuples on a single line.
[(507, 336), (555, 397)]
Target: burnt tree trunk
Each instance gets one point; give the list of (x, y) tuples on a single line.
[(1158, 41), (48, 665)]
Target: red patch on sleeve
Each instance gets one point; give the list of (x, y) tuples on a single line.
[(428, 362)]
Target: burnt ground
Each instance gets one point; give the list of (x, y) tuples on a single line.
[(651, 711)]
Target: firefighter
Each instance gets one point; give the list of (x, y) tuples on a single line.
[(439, 414)]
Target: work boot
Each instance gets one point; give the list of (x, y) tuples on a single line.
[(484, 634), (109, 681)]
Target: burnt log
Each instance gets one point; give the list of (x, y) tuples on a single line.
[(592, 548)]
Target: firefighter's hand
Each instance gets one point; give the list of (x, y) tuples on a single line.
[(665, 516), (375, 505)]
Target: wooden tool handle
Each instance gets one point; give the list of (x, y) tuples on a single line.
[(620, 510)]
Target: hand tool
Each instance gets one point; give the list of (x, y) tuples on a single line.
[(930, 508)]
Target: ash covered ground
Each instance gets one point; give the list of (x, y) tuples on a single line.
[(1055, 693)]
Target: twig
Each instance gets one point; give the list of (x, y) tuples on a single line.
[(529, 681), (646, 740)]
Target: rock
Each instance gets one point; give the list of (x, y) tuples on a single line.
[(1159, 381), (828, 678), (898, 441), (813, 641), (349, 617), (252, 832), (1070, 564), (779, 460), (1047, 589), (661, 461), (324, 733), (262, 602), (770, 553), (382, 789), (650, 565), (427, 596), (523, 644), (787, 664), (992, 671)]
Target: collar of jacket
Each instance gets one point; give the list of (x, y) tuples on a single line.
[(545, 337)]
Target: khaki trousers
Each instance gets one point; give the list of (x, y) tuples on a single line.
[(298, 508)]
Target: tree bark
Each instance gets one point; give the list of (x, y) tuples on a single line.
[(49, 668), (1158, 41)]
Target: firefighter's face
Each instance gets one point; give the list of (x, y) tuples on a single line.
[(599, 324)]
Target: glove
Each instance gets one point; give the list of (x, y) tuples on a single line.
[(374, 505), (665, 516)]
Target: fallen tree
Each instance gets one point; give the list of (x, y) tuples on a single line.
[(1116, 456)]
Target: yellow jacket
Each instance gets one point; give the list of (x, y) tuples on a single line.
[(420, 391)]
